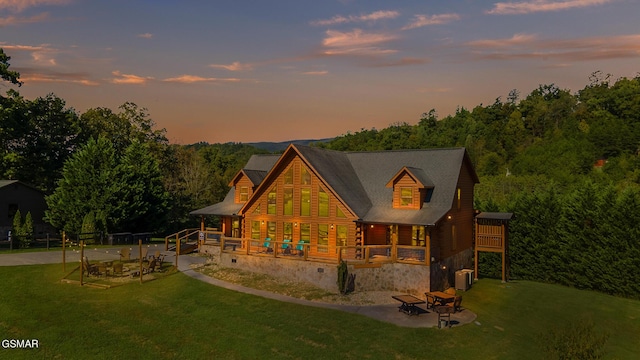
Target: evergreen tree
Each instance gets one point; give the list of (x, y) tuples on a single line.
[(91, 182)]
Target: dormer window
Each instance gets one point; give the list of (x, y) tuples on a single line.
[(411, 187), (406, 196), (244, 193)]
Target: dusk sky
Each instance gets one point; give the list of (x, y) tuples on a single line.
[(247, 71)]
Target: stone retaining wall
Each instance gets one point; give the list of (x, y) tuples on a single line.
[(400, 277)]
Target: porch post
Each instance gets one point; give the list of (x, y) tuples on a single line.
[(202, 223), (394, 242), (427, 251)]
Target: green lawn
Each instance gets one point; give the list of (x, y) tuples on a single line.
[(179, 317)]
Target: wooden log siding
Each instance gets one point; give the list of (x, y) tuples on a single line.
[(406, 181), (243, 182), (332, 221)]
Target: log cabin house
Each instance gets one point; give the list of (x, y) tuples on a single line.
[(402, 220)]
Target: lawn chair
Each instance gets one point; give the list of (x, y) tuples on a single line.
[(118, 269), (159, 258), (450, 291), (267, 245), (431, 301), (286, 247), (300, 248), (457, 301), (91, 269), (102, 269), (125, 254), (148, 266), (444, 312), (143, 255)]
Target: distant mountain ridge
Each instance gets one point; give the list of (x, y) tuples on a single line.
[(281, 146)]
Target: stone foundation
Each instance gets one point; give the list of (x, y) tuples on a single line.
[(400, 277)]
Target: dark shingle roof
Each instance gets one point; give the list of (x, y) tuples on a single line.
[(256, 169), (4, 183), (226, 207), (375, 169)]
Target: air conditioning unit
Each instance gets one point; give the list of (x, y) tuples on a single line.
[(464, 279)]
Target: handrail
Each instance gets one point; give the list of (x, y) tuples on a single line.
[(363, 254)]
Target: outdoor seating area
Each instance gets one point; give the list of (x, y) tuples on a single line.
[(127, 265), (444, 304)]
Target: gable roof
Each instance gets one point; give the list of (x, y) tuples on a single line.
[(359, 179), (4, 183), (256, 169), (374, 169), (417, 174)]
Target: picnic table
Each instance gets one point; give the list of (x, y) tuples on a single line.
[(409, 303), (442, 297)]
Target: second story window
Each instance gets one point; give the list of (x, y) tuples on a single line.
[(406, 196), (288, 201), (323, 203), (305, 177), (271, 202), (244, 193), (288, 176), (305, 202)]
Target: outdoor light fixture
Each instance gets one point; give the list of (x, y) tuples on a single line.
[(372, 226), (449, 217), (331, 226), (295, 224), (262, 222)]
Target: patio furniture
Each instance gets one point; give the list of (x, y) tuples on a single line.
[(125, 254), (450, 291), (118, 269), (300, 248), (409, 303), (286, 247), (91, 269), (143, 255), (431, 300), (148, 266), (441, 298), (102, 269), (444, 312), (159, 258), (266, 246)]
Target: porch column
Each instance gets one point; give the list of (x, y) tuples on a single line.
[(394, 242), (202, 223), (427, 250)]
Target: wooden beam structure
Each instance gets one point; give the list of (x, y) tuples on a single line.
[(492, 235)]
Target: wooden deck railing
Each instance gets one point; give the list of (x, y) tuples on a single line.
[(366, 254), (489, 241)]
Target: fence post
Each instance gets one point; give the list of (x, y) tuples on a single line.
[(64, 263), (82, 264), (140, 256)]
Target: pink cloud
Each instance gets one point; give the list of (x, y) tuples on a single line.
[(374, 16), (18, 6), (129, 79), (356, 42), (527, 7), (523, 46), (424, 20), (234, 66), (190, 79)]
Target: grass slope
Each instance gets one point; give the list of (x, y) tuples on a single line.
[(179, 317)]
